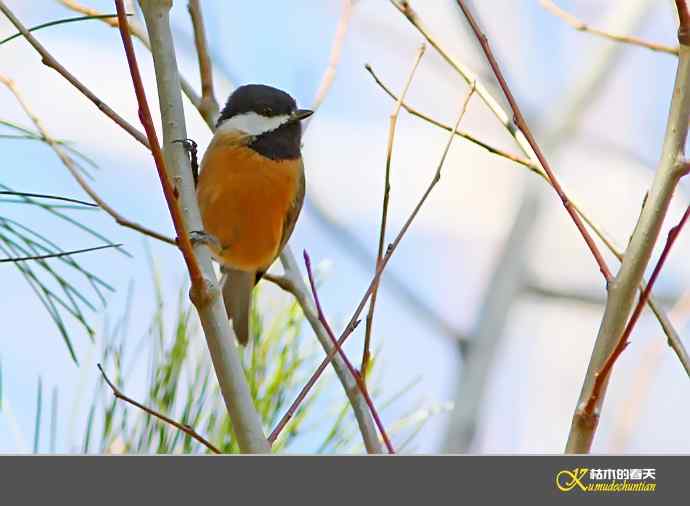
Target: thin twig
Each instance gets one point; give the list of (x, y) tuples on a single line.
[(579, 25), (69, 163), (384, 207), (354, 320), (187, 429), (355, 375), (51, 62), (521, 123), (334, 59), (183, 240), (58, 255), (208, 105), (138, 31), (534, 167)]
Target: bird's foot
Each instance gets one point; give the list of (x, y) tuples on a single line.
[(200, 237), (190, 148)]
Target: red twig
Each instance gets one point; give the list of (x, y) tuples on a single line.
[(357, 376), (684, 25), (337, 348), (183, 241), (521, 123), (623, 342)]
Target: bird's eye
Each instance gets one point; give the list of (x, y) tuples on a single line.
[(266, 111)]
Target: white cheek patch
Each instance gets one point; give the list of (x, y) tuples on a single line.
[(253, 124)]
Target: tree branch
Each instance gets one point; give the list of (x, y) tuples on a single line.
[(355, 375), (622, 290), (187, 429), (521, 123), (204, 292), (293, 282), (334, 59), (138, 31), (51, 62), (583, 27), (384, 209), (68, 162), (534, 167), (208, 106), (299, 289)]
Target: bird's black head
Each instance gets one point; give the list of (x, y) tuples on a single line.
[(269, 116)]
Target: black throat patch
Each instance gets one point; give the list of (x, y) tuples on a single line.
[(283, 143)]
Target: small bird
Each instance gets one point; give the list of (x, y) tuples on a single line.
[(250, 190)]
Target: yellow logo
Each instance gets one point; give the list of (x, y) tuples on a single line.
[(567, 480), (607, 480)]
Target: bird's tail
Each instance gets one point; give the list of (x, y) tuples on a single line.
[(237, 295)]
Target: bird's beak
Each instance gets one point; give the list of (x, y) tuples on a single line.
[(300, 114)]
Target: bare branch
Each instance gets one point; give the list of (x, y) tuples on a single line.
[(51, 62), (68, 162), (355, 375), (293, 282), (384, 208), (179, 426), (521, 123), (623, 289), (185, 213), (534, 167), (602, 375), (583, 27), (138, 31), (292, 273), (334, 60), (208, 106), (183, 240)]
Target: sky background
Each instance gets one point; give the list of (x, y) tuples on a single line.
[(450, 252)]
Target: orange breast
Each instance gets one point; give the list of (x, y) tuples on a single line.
[(244, 199)]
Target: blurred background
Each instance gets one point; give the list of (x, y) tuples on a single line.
[(491, 303)]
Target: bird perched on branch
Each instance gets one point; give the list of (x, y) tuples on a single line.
[(250, 190)]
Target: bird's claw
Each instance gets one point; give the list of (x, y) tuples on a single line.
[(190, 148), (200, 237), (189, 145)]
